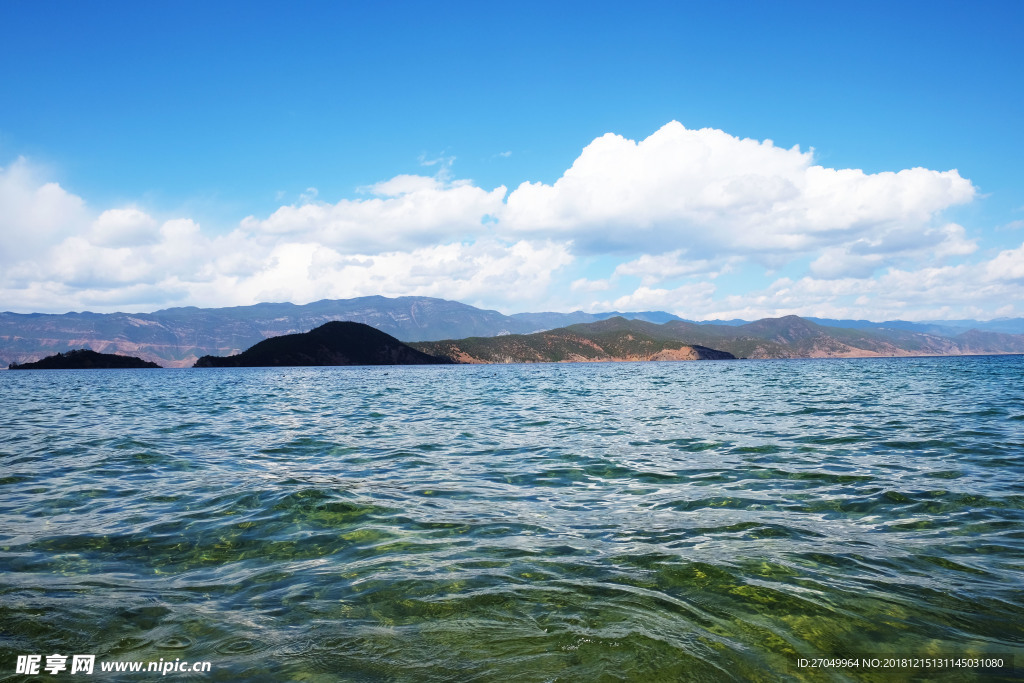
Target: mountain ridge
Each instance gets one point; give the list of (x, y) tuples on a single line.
[(600, 341), (786, 337), (177, 337)]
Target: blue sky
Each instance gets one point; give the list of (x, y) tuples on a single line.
[(161, 154)]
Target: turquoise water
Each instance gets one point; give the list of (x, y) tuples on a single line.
[(621, 521)]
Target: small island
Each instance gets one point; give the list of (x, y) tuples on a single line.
[(84, 359), (334, 343)]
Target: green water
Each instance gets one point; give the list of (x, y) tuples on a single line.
[(594, 522)]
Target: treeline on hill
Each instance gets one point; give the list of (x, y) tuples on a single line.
[(788, 337)]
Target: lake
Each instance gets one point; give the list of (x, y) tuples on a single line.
[(563, 522)]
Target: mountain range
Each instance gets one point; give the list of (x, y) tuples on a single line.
[(788, 337), (177, 337), (615, 339)]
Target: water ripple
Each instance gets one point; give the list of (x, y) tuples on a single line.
[(662, 521)]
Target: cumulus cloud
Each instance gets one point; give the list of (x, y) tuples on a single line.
[(713, 194), (839, 262), (981, 290), (953, 241), (674, 211), (914, 294), (585, 285), (1007, 265), (690, 297), (653, 269), (484, 271), (124, 257), (863, 257), (405, 212), (34, 213), (403, 239), (123, 228)]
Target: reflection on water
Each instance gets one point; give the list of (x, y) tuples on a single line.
[(658, 521)]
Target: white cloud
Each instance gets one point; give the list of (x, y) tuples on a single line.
[(693, 296), (403, 184), (123, 228), (77, 263), (838, 262), (486, 270), (585, 285), (1008, 265), (681, 204), (861, 258), (954, 242), (714, 194), (653, 269), (405, 212), (443, 163), (981, 290), (34, 214)]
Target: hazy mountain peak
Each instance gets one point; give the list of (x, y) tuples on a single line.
[(176, 337)]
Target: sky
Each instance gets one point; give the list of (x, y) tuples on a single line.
[(714, 160)]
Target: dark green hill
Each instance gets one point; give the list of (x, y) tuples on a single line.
[(786, 337), (615, 339), (84, 359), (176, 337), (334, 343), (795, 337)]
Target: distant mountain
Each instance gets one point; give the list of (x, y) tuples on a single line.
[(794, 337), (333, 343), (176, 337), (787, 337), (980, 342), (84, 359), (538, 322), (731, 323), (614, 339), (1003, 325), (939, 327)]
